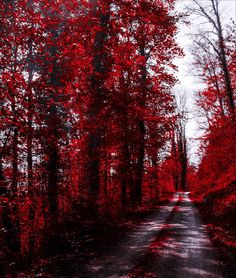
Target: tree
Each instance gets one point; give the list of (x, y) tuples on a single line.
[(214, 37), (213, 54), (87, 108), (101, 12)]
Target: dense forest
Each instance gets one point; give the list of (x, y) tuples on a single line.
[(91, 128)]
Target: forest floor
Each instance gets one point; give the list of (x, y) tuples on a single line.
[(171, 241)]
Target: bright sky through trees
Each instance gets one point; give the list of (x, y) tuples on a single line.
[(188, 81)]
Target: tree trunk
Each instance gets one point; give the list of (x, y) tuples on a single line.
[(216, 83), (30, 118), (228, 85), (125, 169), (95, 129), (155, 179), (15, 161), (140, 164), (53, 161), (227, 79), (53, 125), (3, 184), (141, 130), (183, 160)]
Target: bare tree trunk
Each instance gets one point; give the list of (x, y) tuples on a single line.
[(216, 83), (223, 59)]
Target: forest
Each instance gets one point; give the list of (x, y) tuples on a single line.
[(93, 135)]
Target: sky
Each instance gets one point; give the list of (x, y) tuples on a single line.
[(188, 83)]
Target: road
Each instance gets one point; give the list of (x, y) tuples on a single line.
[(170, 243)]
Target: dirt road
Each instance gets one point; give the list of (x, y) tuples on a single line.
[(172, 242)]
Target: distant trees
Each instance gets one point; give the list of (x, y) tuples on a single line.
[(174, 170), (182, 119)]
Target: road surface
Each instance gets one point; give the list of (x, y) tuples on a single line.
[(171, 243)]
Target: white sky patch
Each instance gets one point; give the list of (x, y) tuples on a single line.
[(188, 82)]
